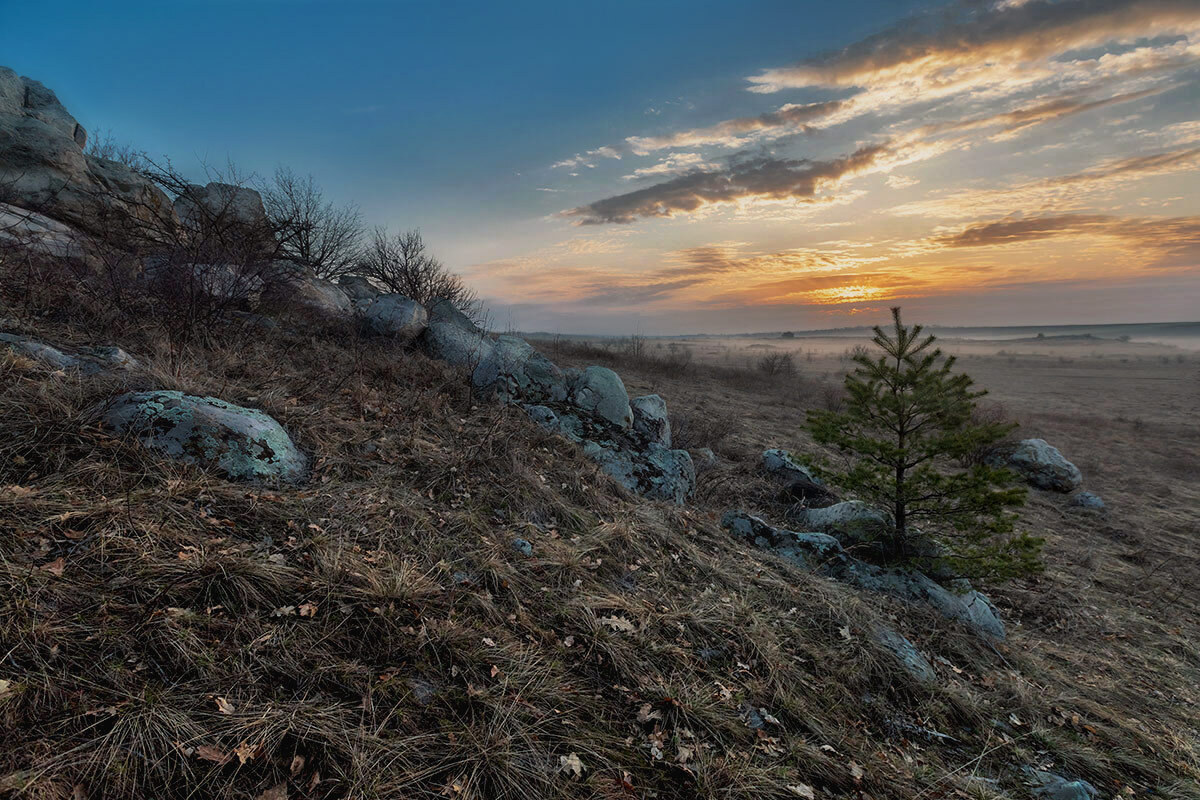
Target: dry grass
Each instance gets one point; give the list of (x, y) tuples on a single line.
[(373, 633)]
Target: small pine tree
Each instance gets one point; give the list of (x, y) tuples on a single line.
[(908, 425)]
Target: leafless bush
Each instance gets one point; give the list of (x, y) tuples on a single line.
[(103, 144), (313, 233), (691, 430), (402, 264), (777, 364)]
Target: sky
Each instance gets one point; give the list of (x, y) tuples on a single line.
[(694, 167)]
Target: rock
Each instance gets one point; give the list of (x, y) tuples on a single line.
[(43, 166), (357, 287), (395, 315), (39, 233), (513, 372), (454, 345), (243, 443), (658, 473), (971, 608), (1039, 464), (600, 392), (1049, 786), (780, 464), (806, 493), (89, 361), (906, 653), (523, 547), (650, 419), (199, 206), (544, 417), (1089, 501), (807, 550), (704, 458), (321, 297), (852, 521), (442, 310)]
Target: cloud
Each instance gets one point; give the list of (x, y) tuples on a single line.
[(734, 132), (970, 34), (754, 178), (675, 164)]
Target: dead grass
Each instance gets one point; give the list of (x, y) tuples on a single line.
[(373, 633)]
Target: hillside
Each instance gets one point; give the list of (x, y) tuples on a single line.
[(269, 538)]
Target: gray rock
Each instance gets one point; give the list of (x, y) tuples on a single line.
[(523, 547), (657, 473), (544, 417), (38, 351), (1040, 465), (704, 458), (805, 549), (357, 287), (970, 607), (807, 494), (851, 521), (1087, 500), (200, 205), (442, 310), (513, 372), (1049, 786), (454, 345), (243, 443), (40, 234), (906, 653), (782, 465), (321, 297), (88, 361), (616, 462), (600, 392), (396, 316), (650, 419)]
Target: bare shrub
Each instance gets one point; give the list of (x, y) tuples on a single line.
[(777, 364), (313, 233), (691, 430), (103, 144), (402, 264)]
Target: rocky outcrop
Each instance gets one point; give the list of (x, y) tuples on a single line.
[(357, 288), (600, 392), (780, 464), (852, 521), (1039, 464), (1049, 786), (318, 296), (43, 167), (906, 653), (455, 345), (242, 443), (88, 361), (442, 310), (805, 549), (39, 233), (650, 419), (513, 372), (394, 315), (198, 206)]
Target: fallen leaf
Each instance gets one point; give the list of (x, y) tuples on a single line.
[(19, 491), (246, 751), (856, 772), (646, 713), (845, 632), (297, 764), (684, 754), (571, 765), (489, 642), (308, 609), (5, 687), (213, 754), (495, 670), (55, 567), (223, 705), (803, 790), (618, 624), (276, 792)]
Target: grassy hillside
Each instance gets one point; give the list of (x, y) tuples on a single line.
[(375, 633)]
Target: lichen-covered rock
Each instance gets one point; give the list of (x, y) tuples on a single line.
[(657, 473), (513, 372), (1040, 464), (1089, 501), (396, 316), (357, 288), (906, 653), (969, 607), (1049, 786), (806, 494), (454, 345), (782, 465), (199, 205), (852, 521), (88, 361), (442, 310), (806, 549), (650, 419), (243, 443), (600, 392)]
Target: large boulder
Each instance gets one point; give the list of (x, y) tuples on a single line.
[(43, 167), (805, 549), (198, 206), (906, 654), (514, 372), (442, 310), (780, 464), (243, 443), (657, 473), (319, 296), (852, 521), (967, 606), (88, 361), (358, 288), (394, 315), (448, 342), (650, 419), (600, 392), (1040, 464), (39, 233)]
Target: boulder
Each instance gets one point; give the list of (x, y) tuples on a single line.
[(852, 521), (808, 494), (512, 371), (243, 443), (704, 458), (969, 607), (906, 654), (88, 361), (357, 288), (1049, 786), (600, 392), (395, 315), (657, 473), (1088, 501), (780, 464), (321, 297), (442, 310), (20, 95), (1039, 464), (199, 205), (650, 419), (805, 549), (40, 233), (455, 345)]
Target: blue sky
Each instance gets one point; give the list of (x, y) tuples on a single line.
[(453, 116)]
